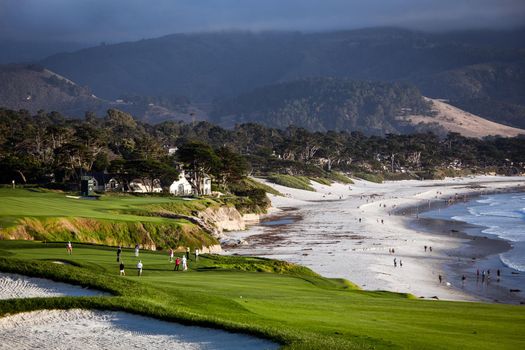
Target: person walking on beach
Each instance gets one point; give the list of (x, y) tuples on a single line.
[(400, 263), (69, 248), (395, 262), (137, 248), (177, 264), (139, 268), (119, 251), (498, 273), (122, 273), (171, 254), (184, 263), (463, 278), (440, 279), (425, 249), (430, 249)]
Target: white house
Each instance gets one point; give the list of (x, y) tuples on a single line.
[(181, 186), (185, 185), (145, 186)]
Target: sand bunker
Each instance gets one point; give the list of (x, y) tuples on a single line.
[(18, 286), (84, 329)]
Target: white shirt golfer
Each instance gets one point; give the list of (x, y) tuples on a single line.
[(184, 263)]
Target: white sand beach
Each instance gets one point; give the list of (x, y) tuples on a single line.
[(85, 329), (332, 241)]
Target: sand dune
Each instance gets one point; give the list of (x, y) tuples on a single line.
[(467, 124)]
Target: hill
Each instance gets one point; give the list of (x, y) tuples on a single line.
[(453, 119), (34, 88), (205, 66), (322, 104)]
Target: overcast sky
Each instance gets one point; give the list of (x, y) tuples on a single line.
[(121, 20)]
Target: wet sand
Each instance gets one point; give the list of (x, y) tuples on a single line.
[(324, 233), (478, 252)]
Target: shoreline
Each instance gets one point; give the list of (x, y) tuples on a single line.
[(479, 252), (330, 239)]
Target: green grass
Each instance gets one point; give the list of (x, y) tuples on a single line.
[(377, 178), (113, 219), (299, 182), (322, 180), (340, 177), (271, 299), (40, 203), (250, 183)]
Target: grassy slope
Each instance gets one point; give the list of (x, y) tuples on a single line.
[(124, 217), (299, 182), (295, 307)]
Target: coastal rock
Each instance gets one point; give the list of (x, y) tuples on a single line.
[(224, 218), (213, 249)]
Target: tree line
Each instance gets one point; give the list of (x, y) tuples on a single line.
[(47, 147)]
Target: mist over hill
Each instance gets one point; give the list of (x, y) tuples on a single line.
[(323, 104), (465, 67)]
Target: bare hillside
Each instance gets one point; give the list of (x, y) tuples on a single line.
[(35, 88), (457, 120)]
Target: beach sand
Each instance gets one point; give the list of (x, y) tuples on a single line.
[(326, 235)]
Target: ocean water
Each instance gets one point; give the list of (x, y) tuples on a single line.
[(502, 215)]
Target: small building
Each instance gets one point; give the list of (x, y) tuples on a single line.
[(113, 185), (181, 186), (104, 182), (87, 186)]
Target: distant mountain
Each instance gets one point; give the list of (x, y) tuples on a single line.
[(495, 91), (35, 88), (471, 68), (15, 51), (322, 104)]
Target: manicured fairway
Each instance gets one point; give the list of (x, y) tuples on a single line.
[(294, 307), (36, 203), (113, 219)]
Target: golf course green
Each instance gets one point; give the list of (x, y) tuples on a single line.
[(46, 215), (276, 300)]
